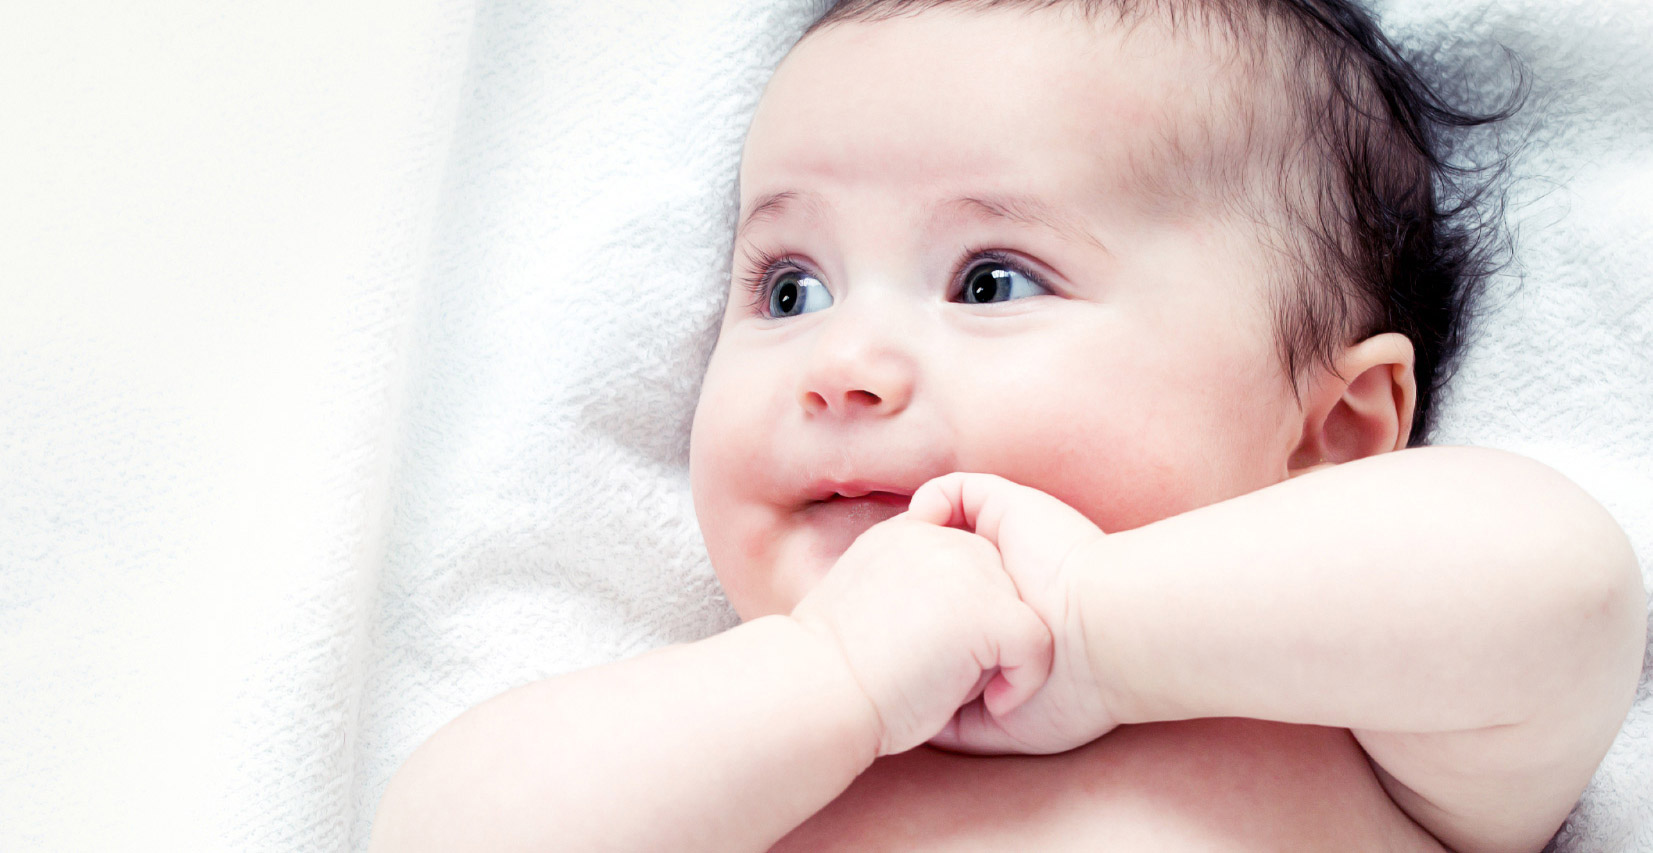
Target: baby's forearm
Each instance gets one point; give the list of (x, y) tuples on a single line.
[(1442, 589), (724, 744)]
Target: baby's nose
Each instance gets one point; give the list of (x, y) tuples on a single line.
[(856, 372)]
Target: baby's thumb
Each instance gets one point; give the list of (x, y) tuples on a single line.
[(1024, 659), (940, 502)]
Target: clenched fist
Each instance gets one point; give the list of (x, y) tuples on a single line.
[(927, 621), (1038, 541)]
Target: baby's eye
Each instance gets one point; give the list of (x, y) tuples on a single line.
[(794, 293), (994, 281)]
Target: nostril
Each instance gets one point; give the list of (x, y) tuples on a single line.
[(816, 403)]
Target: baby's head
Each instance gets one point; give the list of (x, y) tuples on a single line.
[(1143, 256)]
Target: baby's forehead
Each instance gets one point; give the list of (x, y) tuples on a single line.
[(1176, 112)]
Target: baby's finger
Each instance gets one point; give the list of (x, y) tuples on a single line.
[(974, 730), (1019, 666), (976, 502), (962, 499), (1025, 652), (937, 501), (985, 500)]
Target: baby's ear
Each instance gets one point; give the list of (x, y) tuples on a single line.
[(1362, 408)]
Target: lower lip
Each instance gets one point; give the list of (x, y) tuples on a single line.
[(838, 520)]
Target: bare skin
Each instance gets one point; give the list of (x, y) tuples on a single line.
[(1418, 651), (954, 256), (1224, 784)]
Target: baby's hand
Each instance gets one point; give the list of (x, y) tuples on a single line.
[(1036, 535), (924, 616)]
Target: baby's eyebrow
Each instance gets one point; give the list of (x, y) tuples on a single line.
[(771, 207), (1028, 211), (1018, 209)]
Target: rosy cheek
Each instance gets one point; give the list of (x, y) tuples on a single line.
[(733, 428), (1120, 492), (1112, 462)]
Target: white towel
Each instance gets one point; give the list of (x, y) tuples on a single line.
[(348, 353)]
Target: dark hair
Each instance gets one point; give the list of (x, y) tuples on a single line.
[(1398, 234)]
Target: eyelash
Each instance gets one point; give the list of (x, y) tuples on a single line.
[(767, 266), (762, 278)]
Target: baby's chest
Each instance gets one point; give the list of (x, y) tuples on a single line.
[(1196, 785)]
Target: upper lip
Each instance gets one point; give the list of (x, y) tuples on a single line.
[(829, 489)]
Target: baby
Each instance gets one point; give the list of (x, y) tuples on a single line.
[(1059, 412)]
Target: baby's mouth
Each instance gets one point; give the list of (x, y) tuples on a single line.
[(872, 498), (839, 519)]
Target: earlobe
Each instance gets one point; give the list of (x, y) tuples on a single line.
[(1362, 409)]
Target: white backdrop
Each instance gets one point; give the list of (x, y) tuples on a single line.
[(348, 353)]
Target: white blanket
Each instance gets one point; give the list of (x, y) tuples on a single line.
[(348, 353)]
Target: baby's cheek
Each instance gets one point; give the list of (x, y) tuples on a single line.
[(1120, 487), (1121, 469)]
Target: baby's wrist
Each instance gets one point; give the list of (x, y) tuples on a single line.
[(835, 686), (1115, 617)]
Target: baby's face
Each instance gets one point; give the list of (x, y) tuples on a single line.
[(973, 270)]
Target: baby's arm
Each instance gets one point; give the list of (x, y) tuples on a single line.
[(1472, 616), (729, 743)]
